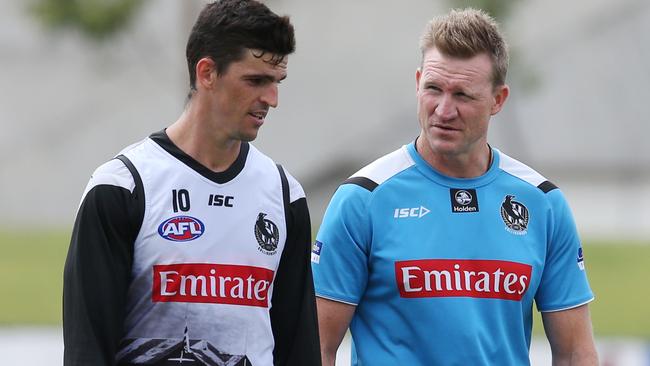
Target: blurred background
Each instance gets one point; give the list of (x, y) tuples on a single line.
[(81, 79)]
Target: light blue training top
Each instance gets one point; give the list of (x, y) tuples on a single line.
[(444, 271)]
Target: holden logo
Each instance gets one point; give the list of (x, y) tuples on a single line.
[(463, 200), (463, 197), (181, 228)]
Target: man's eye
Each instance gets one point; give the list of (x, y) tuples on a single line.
[(433, 87), (256, 82)]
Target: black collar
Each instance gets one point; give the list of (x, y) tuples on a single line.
[(227, 175)]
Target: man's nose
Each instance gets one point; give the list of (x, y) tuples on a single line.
[(446, 108), (270, 95)]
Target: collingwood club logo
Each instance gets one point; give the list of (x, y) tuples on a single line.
[(514, 215), (267, 234)]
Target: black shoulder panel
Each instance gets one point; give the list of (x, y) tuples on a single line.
[(362, 182), (547, 186), (138, 191), (285, 193)]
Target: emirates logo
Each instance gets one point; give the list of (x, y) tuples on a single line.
[(267, 234), (209, 283), (478, 278)]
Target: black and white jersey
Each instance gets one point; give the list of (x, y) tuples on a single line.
[(173, 263)]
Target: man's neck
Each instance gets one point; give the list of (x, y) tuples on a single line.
[(197, 138), (469, 165)]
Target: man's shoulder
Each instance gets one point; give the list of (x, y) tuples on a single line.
[(109, 178), (524, 173), (113, 173), (137, 147), (295, 189), (119, 171), (381, 170)]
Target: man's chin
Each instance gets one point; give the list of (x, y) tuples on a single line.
[(248, 137), (445, 148), (441, 146)]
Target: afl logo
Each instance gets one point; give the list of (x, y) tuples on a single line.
[(463, 197), (267, 234), (181, 228), (514, 215)]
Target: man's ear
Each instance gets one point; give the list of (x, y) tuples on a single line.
[(500, 95), (206, 73), (418, 74)]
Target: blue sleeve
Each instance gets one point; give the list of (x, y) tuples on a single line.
[(564, 283), (340, 253)]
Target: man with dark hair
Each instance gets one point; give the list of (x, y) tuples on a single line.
[(192, 246), (434, 253)]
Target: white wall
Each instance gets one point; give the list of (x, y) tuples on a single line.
[(578, 112)]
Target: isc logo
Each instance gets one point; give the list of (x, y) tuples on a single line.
[(181, 228), (418, 212), (220, 200)]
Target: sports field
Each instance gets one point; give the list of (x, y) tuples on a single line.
[(31, 269)]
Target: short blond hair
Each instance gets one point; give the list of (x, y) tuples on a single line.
[(465, 33)]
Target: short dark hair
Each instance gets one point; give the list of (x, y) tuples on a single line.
[(226, 28)]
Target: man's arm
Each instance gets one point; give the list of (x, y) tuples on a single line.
[(570, 335), (97, 270), (333, 320), (293, 311), (340, 264)]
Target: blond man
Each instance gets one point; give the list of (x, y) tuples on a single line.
[(434, 253)]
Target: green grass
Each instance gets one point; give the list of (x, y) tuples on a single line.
[(620, 278), (619, 275), (31, 269)]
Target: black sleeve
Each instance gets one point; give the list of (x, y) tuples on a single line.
[(97, 274), (293, 311)]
